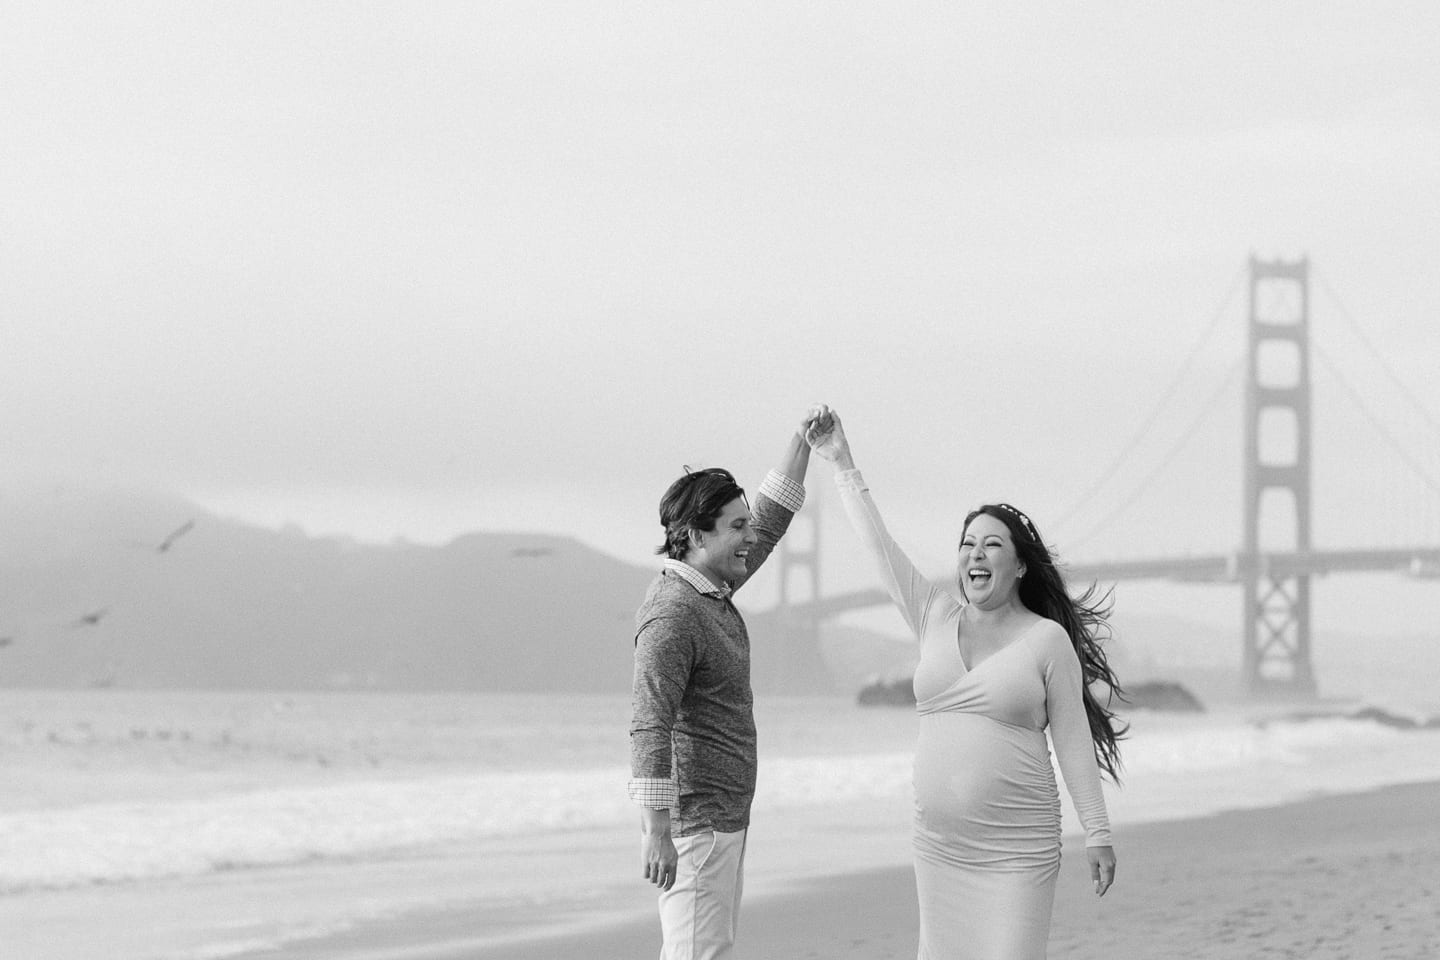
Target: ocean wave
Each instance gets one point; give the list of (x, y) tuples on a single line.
[(1399, 719), (101, 843), (1175, 756)]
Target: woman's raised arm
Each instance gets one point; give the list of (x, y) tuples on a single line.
[(911, 592)]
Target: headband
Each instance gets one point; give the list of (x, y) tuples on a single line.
[(1024, 520)]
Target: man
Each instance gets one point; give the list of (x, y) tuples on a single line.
[(692, 729)]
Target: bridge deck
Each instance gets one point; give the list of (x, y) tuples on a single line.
[(1421, 562)]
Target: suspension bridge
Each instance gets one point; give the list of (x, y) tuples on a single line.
[(1274, 571)]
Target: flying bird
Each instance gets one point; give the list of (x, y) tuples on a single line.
[(164, 545), (92, 618), (176, 534)]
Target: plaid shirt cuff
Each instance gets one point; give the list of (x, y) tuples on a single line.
[(783, 490), (653, 793)]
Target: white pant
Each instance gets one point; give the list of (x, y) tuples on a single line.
[(701, 912)]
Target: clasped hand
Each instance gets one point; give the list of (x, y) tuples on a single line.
[(824, 433)]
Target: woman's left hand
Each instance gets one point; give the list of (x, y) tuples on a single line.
[(1102, 867), (827, 437)]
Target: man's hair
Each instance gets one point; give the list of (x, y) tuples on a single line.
[(694, 502)]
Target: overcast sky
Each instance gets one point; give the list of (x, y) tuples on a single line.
[(419, 268)]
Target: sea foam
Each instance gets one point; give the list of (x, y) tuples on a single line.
[(1175, 765)]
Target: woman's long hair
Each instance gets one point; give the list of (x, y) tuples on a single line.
[(1085, 619)]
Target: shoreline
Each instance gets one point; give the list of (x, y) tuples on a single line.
[(364, 829), (1333, 876)]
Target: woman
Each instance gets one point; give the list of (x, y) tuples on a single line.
[(1015, 656)]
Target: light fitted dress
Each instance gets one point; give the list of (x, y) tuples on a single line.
[(987, 808)]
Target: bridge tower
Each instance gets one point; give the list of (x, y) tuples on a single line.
[(1277, 479), (801, 668)]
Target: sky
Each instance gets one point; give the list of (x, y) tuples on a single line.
[(410, 270)]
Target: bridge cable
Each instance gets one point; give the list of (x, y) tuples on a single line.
[(1376, 422), (1231, 376), (1379, 358), (1123, 457)]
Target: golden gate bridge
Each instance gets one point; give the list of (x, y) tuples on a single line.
[(1275, 578)]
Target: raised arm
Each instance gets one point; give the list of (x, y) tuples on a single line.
[(796, 457), (780, 497), (911, 592)]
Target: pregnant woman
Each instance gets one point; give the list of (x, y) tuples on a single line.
[(997, 668)]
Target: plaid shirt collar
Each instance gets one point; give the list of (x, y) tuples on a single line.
[(696, 579)]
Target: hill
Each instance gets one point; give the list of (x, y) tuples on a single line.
[(94, 596), (137, 590)]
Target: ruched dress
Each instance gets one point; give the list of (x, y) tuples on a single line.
[(987, 808)]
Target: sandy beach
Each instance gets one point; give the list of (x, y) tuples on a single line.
[(1350, 876)]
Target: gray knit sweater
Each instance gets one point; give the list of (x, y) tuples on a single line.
[(692, 712)]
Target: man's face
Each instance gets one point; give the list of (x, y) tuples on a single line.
[(721, 553)]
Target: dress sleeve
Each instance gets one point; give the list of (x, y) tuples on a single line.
[(908, 589), (1070, 736)]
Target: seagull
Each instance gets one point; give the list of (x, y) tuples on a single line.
[(176, 534), (92, 618), (164, 545)]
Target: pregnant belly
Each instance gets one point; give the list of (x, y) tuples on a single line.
[(984, 791)]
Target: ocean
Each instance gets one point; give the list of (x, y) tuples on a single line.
[(190, 825)]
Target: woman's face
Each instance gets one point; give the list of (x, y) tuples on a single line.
[(990, 569)]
